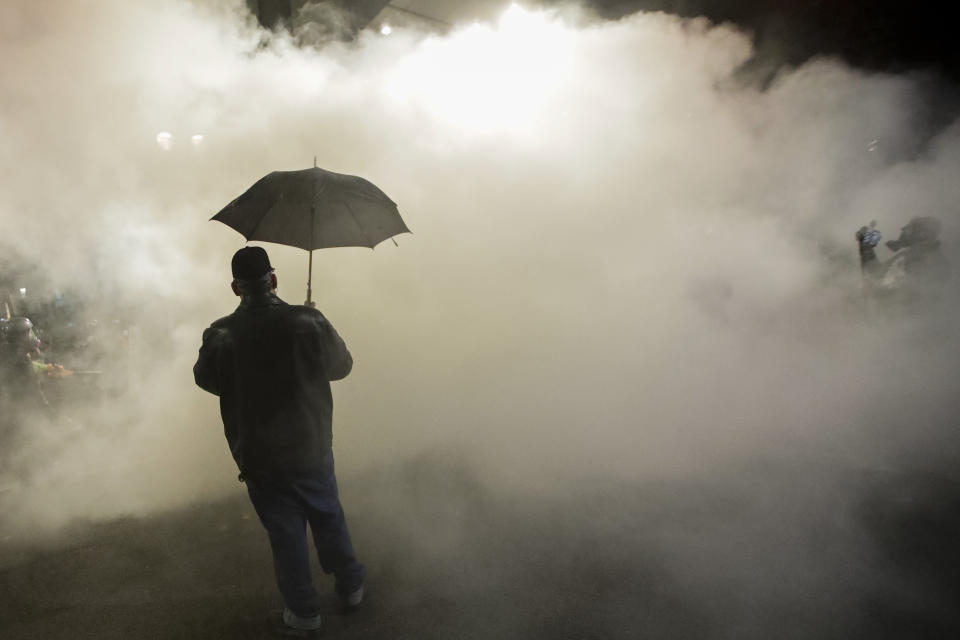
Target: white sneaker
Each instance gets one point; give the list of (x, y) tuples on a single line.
[(300, 623), (354, 598)]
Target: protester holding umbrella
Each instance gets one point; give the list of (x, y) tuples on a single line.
[(271, 364)]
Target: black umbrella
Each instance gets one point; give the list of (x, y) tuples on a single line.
[(314, 209)]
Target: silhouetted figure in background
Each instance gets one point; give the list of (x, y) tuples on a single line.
[(22, 365), (918, 271), (271, 364), (23, 371)]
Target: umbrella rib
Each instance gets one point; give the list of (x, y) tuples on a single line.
[(257, 226), (357, 222), (262, 218)]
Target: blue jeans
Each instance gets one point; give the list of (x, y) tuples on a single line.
[(285, 507)]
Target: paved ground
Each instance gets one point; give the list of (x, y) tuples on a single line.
[(763, 550)]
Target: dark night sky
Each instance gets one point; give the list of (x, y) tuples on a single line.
[(884, 35)]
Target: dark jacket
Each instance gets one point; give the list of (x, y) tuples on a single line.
[(271, 364)]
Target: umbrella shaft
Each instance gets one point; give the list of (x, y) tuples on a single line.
[(310, 278), (313, 215)]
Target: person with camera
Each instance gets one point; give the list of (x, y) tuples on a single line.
[(915, 274)]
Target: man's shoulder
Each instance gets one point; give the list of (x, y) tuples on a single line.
[(298, 310), (222, 323), (274, 303), (280, 311), (302, 317)]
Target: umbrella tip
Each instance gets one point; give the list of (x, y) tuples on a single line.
[(314, 162)]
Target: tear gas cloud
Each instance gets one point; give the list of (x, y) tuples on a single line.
[(625, 261)]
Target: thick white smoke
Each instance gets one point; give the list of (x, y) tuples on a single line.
[(623, 262)]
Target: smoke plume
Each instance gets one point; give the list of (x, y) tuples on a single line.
[(627, 264)]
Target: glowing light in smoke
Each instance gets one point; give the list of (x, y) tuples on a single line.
[(516, 17), (197, 139), (23, 291), (486, 78), (386, 30), (165, 140)]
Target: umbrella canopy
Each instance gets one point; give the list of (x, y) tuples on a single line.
[(314, 209)]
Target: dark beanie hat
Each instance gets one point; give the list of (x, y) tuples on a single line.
[(250, 263)]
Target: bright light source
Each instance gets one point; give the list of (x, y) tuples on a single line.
[(486, 78), (197, 139), (23, 291), (386, 30), (165, 140), (515, 16)]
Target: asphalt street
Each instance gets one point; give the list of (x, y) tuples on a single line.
[(763, 549)]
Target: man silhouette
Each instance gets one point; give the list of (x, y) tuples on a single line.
[(271, 365)]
